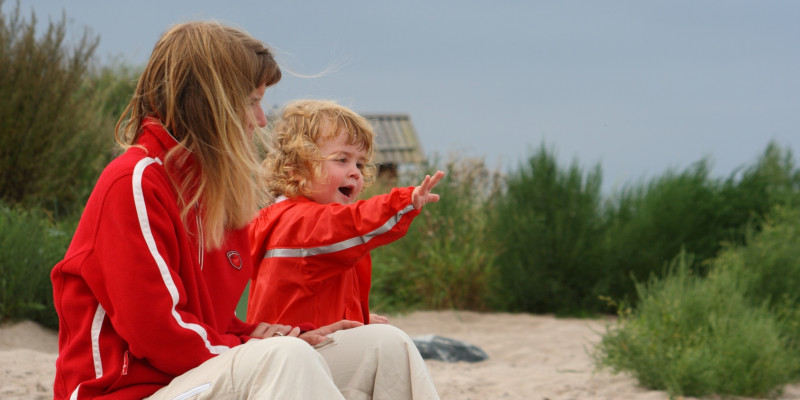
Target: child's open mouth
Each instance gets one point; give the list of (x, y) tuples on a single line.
[(347, 191)]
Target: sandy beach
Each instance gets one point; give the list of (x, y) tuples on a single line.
[(530, 357)]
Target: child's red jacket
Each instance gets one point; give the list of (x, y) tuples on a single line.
[(139, 299), (312, 260)]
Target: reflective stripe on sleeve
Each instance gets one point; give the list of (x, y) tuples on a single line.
[(343, 245)]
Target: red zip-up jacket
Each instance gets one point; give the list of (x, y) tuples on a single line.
[(139, 299), (312, 260)]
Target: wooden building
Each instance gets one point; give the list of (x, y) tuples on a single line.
[(396, 144)]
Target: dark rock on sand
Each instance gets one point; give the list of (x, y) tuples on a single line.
[(434, 347)]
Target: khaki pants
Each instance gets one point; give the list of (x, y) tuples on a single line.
[(370, 362)]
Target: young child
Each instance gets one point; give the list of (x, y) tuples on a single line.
[(311, 246)]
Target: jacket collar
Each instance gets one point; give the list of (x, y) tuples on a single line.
[(155, 137), (157, 142)]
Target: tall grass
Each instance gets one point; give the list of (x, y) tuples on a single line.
[(444, 260), (30, 244)]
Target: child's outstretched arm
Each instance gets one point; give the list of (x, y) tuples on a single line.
[(422, 194)]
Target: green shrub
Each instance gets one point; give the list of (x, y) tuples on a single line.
[(30, 245), (446, 259), (752, 192), (768, 270), (649, 224), (696, 337), (57, 116), (547, 227), (114, 85), (736, 331), (733, 333), (56, 136)]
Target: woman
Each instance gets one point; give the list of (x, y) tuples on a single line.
[(147, 290)]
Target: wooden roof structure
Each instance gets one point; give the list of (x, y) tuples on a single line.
[(396, 140)]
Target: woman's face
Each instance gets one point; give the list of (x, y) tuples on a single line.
[(256, 112)]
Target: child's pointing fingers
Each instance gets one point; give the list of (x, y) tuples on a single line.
[(422, 194)]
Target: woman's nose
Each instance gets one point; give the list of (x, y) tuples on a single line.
[(261, 118)]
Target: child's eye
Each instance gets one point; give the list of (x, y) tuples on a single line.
[(341, 160), (360, 166)]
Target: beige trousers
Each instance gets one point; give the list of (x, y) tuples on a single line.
[(370, 362)]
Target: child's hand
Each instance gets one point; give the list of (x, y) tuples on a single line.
[(320, 335), (422, 194), (378, 319)]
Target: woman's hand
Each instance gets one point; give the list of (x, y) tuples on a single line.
[(265, 330), (319, 335), (422, 194)]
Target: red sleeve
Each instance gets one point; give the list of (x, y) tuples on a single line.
[(334, 237), (135, 271), (241, 329)]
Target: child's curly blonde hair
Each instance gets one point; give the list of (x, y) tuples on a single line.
[(294, 160)]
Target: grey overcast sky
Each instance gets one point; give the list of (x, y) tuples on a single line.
[(636, 86)]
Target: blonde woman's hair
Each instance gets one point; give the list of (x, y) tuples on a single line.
[(295, 161), (198, 84)]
